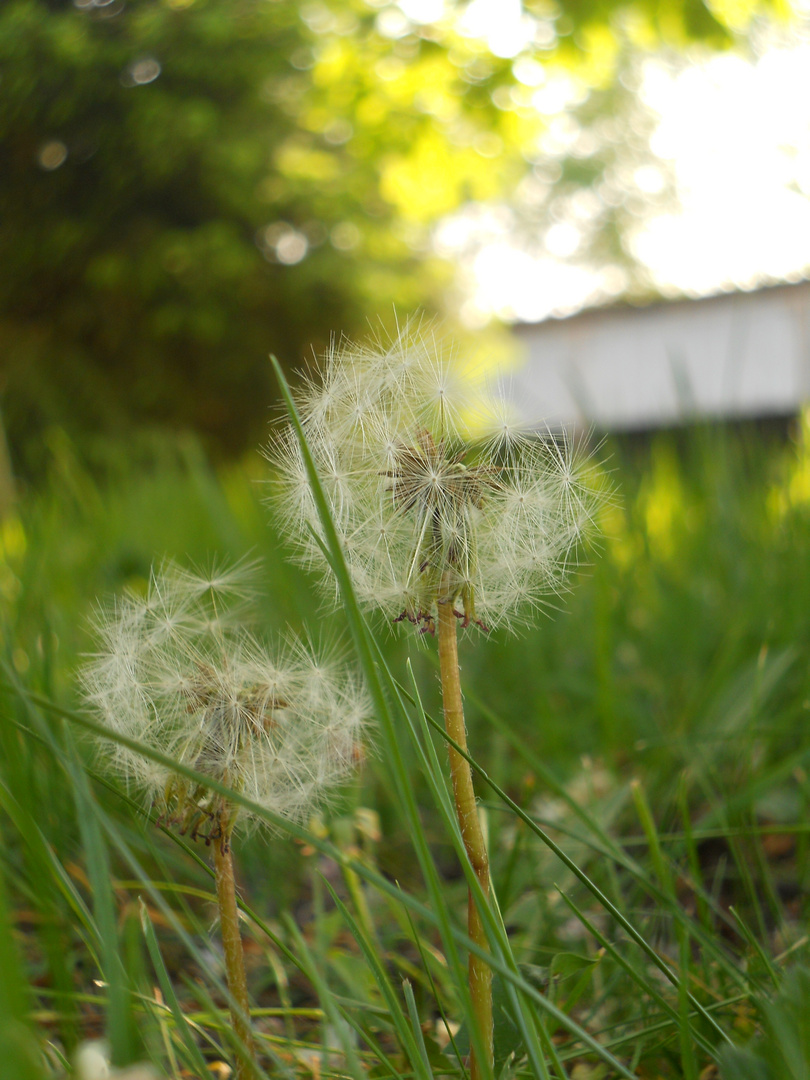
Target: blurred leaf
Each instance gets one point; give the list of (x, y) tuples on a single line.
[(782, 1051), (566, 964), (187, 186), (18, 1048)]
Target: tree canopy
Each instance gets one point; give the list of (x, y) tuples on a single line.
[(187, 185)]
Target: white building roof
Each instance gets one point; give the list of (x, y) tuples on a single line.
[(744, 354)]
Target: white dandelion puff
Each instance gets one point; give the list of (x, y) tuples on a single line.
[(437, 494), (176, 671)]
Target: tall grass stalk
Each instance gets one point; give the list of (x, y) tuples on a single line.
[(707, 690)]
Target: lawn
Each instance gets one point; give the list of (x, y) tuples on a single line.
[(641, 768)]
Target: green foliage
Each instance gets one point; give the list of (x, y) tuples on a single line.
[(782, 1051), (166, 168), (649, 923), (186, 185), (17, 1047)]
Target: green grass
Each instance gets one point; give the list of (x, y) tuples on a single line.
[(642, 764)]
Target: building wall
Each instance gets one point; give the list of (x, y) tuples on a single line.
[(737, 355)]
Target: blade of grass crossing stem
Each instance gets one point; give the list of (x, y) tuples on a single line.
[(195, 1058), (609, 906), (409, 1044), (437, 917), (607, 846), (496, 932), (434, 773), (431, 917), (364, 646), (208, 869), (120, 1025), (285, 825), (437, 782), (366, 649), (88, 821), (225, 1026), (145, 880), (154, 819), (126, 853), (530, 1023), (524, 1020), (497, 936), (560, 854)]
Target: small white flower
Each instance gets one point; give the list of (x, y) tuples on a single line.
[(438, 496), (177, 672)]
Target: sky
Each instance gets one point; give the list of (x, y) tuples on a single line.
[(738, 134), (735, 133)]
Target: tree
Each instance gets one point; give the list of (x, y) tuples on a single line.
[(186, 185)]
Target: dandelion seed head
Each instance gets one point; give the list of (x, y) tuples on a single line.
[(198, 687), (437, 492)]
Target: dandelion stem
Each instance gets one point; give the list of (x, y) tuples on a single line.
[(234, 957), (480, 973)]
